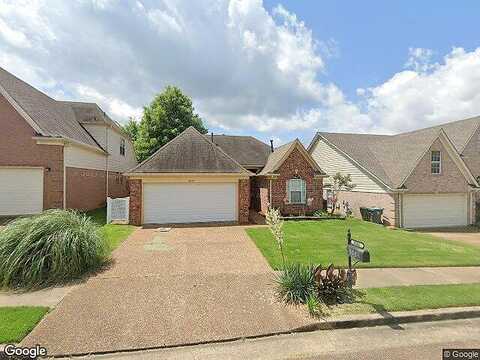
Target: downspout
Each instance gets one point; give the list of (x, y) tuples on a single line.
[(270, 192), (106, 159), (64, 180)]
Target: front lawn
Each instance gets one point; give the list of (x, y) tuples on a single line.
[(114, 233), (407, 298), (17, 322), (324, 242)]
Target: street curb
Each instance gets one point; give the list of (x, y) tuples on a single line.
[(353, 321), (386, 318)]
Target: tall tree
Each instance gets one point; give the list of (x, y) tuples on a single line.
[(170, 113), (131, 128)]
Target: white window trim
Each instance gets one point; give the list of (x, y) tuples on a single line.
[(439, 162), (123, 145), (303, 191)]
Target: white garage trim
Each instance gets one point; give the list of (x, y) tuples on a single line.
[(21, 190), (435, 210), (189, 202)]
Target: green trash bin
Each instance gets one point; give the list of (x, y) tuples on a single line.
[(376, 215), (364, 213)]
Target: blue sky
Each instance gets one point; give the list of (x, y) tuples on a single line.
[(373, 37), (272, 69)]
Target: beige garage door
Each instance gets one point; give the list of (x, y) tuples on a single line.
[(435, 210), (189, 203), (21, 191)]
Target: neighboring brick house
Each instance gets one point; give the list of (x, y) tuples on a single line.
[(290, 181), (219, 178), (56, 154), (423, 178)]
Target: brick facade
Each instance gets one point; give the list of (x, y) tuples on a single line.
[(295, 166), (243, 200), (357, 199), (451, 179), (17, 148), (135, 187), (86, 188)]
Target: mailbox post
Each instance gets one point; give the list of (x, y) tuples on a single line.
[(356, 250)]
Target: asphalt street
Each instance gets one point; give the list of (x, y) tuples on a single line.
[(406, 341)]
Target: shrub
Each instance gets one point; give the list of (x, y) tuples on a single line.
[(50, 248), (296, 283)]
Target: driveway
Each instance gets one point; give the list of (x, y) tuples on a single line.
[(468, 234), (188, 285)]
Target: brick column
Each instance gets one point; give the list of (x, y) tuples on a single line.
[(135, 187), (243, 200)]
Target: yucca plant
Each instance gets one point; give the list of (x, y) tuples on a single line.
[(53, 247), (295, 283)]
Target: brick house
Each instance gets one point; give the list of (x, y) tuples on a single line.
[(219, 178), (423, 178), (57, 154)]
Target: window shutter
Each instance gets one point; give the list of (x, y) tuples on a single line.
[(288, 191), (304, 191)]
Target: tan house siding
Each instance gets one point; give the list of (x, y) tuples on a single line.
[(116, 162), (332, 161), (451, 179), (17, 148)]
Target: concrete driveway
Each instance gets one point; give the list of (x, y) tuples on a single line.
[(185, 286), (467, 234)]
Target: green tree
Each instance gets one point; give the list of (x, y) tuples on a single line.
[(131, 128), (170, 113), (340, 183)]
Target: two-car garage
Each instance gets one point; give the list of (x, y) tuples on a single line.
[(21, 190), (435, 210), (190, 202)]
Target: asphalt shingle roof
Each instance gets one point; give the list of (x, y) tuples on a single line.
[(190, 152), (54, 118), (246, 150), (392, 157)]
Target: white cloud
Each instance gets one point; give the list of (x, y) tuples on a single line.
[(247, 69), (432, 94)]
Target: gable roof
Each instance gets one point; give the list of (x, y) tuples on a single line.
[(47, 116), (391, 158), (246, 150), (276, 158), (190, 152)]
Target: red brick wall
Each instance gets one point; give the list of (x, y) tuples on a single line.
[(135, 187), (17, 148), (86, 188), (243, 200), (296, 166)]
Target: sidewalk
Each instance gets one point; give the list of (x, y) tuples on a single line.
[(383, 277)]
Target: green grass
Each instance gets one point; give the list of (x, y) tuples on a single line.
[(323, 242), (114, 233), (17, 322), (407, 298)]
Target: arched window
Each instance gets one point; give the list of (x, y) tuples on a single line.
[(296, 191)]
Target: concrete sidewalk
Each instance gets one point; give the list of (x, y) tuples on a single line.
[(370, 278), (49, 297)]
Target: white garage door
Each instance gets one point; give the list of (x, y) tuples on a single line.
[(435, 210), (21, 191), (189, 203)]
